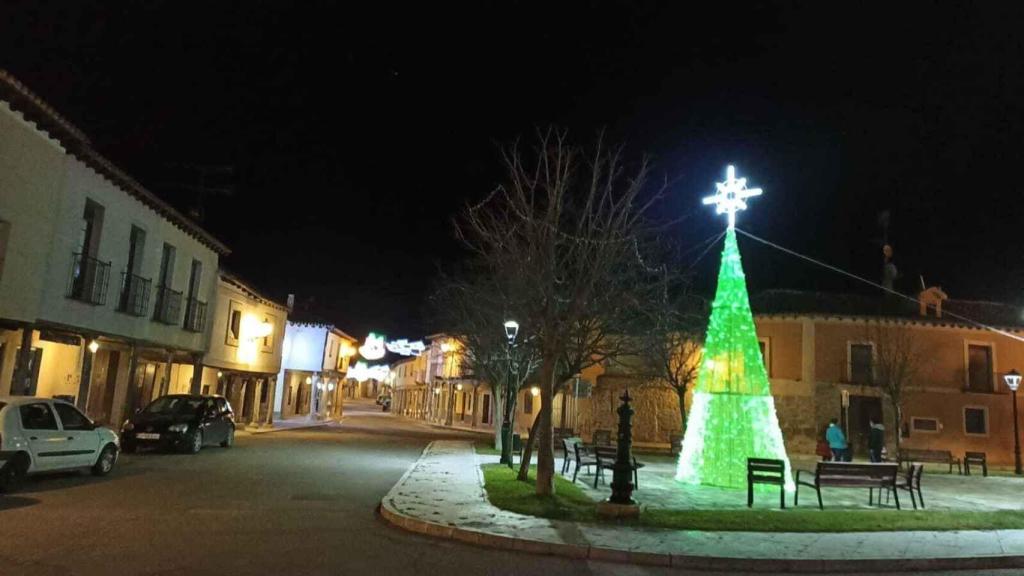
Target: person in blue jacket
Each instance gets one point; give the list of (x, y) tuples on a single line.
[(837, 442)]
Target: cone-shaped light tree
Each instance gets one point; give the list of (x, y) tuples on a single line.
[(732, 415)]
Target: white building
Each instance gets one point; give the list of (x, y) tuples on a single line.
[(87, 255), (245, 350), (314, 361)]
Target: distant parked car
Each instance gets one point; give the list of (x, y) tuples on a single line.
[(44, 435), (184, 422)]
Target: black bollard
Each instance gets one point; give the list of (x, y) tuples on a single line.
[(622, 478)]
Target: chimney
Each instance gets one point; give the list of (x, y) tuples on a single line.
[(931, 298), (291, 301)]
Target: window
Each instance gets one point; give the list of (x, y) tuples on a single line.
[(268, 340), (976, 421), (766, 354), (979, 368), (136, 245), (223, 405), (92, 225), (71, 418), (862, 356), (37, 417), (5, 234), (528, 403), (194, 278), (234, 323), (167, 266), (924, 424)]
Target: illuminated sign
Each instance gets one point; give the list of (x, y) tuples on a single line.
[(373, 348), (406, 348), (361, 372)]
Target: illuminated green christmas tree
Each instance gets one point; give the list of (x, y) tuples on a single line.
[(732, 416)]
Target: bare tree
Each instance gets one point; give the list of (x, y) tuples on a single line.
[(565, 234), (898, 362)]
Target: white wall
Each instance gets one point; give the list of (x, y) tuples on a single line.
[(223, 352)]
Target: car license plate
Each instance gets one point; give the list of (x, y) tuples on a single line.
[(147, 436)]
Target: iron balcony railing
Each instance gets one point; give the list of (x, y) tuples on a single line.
[(168, 306), (89, 279), (134, 298), (195, 315)]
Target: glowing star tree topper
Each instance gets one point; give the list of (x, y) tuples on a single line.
[(732, 416), (731, 195)]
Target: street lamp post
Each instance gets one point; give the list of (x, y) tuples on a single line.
[(511, 331), (1012, 380)]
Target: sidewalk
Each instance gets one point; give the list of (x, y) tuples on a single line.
[(442, 495), (299, 423)]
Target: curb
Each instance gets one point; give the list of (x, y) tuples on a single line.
[(711, 563), (303, 427)]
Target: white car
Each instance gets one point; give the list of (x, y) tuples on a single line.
[(44, 435)]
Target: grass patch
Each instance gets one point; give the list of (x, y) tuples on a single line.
[(505, 492), (570, 503)]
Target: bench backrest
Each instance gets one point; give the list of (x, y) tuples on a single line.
[(842, 470), (765, 466), (926, 455), (974, 456), (602, 437), (569, 443), (607, 453)]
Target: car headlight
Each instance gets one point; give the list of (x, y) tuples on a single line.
[(127, 425), (177, 427)]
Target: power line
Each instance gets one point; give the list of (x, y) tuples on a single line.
[(876, 285)]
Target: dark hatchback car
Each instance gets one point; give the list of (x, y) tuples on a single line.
[(183, 422)]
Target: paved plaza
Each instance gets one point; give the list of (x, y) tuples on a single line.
[(443, 495)]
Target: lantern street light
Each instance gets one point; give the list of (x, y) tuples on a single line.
[(511, 331), (1012, 379)]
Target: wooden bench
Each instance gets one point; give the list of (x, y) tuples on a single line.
[(909, 455), (911, 482), (850, 475), (606, 456), (569, 447), (978, 459), (584, 457), (766, 471)]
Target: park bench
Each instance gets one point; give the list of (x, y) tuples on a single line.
[(766, 471), (909, 455), (850, 475), (606, 456), (569, 447), (584, 457), (978, 459), (911, 482), (602, 438)]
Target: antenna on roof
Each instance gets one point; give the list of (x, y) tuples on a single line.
[(923, 285)]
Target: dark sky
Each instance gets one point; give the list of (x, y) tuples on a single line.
[(355, 135)]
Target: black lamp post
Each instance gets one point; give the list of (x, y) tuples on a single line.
[(511, 331), (1012, 379)]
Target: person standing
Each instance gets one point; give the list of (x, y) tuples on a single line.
[(876, 441), (837, 441)]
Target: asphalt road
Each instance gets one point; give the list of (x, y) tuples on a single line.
[(286, 503)]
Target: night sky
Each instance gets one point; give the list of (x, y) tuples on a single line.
[(357, 135)]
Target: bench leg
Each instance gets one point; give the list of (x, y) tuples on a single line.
[(796, 497), (782, 496), (896, 497), (820, 505), (984, 469), (920, 496), (575, 473), (913, 500), (871, 494), (750, 493)]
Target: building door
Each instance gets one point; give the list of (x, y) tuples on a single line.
[(486, 411), (101, 390), (862, 410), (144, 384)]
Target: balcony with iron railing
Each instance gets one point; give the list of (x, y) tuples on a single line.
[(89, 279), (195, 315), (168, 306), (134, 298)]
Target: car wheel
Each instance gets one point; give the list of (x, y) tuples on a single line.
[(230, 440), (195, 442), (12, 472), (105, 463)]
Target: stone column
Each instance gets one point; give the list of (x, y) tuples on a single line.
[(271, 394), (21, 381), (85, 378), (131, 393), (197, 374), (257, 385)]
